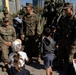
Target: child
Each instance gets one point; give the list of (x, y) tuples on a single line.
[(17, 59), (47, 50)]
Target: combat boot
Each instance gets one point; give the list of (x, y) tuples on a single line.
[(39, 59)]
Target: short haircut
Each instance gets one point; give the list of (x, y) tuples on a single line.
[(47, 31)]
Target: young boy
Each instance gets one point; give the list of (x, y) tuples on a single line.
[(47, 50)]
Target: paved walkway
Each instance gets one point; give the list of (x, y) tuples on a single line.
[(38, 69), (35, 69)]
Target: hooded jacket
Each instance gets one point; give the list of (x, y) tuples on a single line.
[(47, 46)]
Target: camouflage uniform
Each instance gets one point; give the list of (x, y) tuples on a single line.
[(31, 30), (7, 34), (68, 24), (73, 51), (8, 16), (10, 20)]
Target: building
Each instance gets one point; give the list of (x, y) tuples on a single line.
[(1, 5), (13, 6), (39, 3), (18, 5), (35, 3)]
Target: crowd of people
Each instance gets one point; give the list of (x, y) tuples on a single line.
[(24, 32)]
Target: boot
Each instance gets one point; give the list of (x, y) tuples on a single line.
[(39, 59)]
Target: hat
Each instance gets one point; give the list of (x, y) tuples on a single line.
[(6, 19), (16, 45), (28, 5), (5, 10), (46, 2), (68, 5)]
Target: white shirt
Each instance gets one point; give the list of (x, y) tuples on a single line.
[(23, 56), (18, 19)]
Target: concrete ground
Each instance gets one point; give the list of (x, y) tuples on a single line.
[(35, 69), (38, 69)]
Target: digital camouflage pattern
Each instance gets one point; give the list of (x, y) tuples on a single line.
[(7, 15), (10, 19), (31, 25), (68, 36), (7, 34), (31, 30)]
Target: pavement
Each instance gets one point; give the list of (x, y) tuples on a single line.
[(35, 69), (2, 72), (38, 69)]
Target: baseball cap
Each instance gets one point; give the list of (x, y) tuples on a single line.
[(5, 10), (28, 5), (5, 19), (68, 5)]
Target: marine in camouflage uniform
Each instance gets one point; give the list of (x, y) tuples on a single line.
[(31, 30), (73, 47), (7, 15), (68, 25), (7, 36)]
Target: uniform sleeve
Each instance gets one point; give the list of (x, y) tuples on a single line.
[(14, 35), (41, 47), (75, 28), (39, 31), (1, 39)]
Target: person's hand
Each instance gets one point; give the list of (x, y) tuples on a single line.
[(57, 46), (22, 37), (7, 43)]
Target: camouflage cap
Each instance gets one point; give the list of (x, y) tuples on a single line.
[(68, 5), (5, 19), (47, 2), (5, 10), (28, 5)]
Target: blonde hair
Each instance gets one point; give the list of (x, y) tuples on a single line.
[(16, 45)]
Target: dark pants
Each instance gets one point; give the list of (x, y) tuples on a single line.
[(70, 70), (64, 51), (13, 71), (30, 46)]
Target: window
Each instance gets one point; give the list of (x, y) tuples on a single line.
[(12, 1)]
